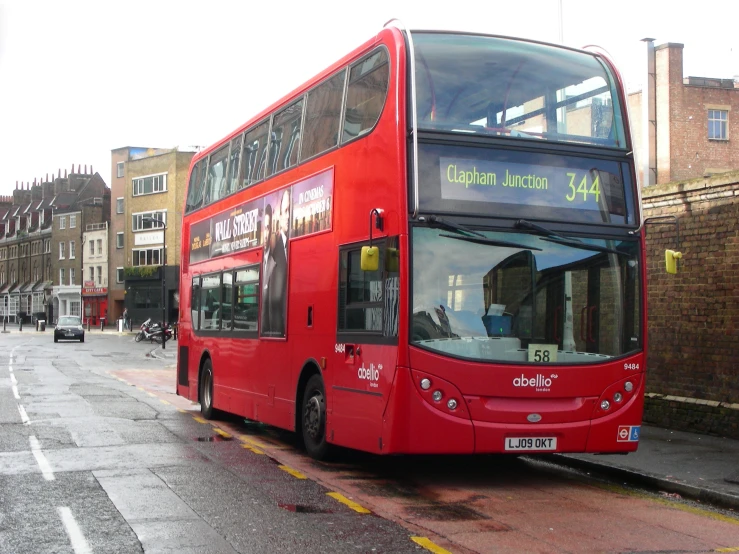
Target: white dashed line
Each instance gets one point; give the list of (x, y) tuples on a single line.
[(43, 463), (24, 415), (15, 393), (79, 543)]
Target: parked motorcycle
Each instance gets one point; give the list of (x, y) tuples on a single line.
[(158, 332)]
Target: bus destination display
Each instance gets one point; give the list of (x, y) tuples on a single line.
[(525, 184)]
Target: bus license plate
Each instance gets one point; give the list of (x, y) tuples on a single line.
[(531, 443)]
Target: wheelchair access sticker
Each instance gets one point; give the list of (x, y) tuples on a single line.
[(628, 433)]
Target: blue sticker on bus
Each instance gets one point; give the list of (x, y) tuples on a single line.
[(628, 433)]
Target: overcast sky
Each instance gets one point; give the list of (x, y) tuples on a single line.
[(78, 79)]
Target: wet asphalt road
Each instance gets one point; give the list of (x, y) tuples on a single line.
[(98, 455), (89, 463)]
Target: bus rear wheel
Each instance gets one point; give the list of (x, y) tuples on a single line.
[(206, 390), (314, 419)]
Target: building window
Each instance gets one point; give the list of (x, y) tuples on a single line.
[(147, 256), (61, 276), (718, 124), (119, 171), (100, 275), (119, 276), (71, 250), (150, 185), (139, 224), (92, 274), (100, 247), (119, 205), (92, 248), (71, 276), (72, 221), (62, 222), (119, 240), (47, 246), (61, 250), (74, 308)]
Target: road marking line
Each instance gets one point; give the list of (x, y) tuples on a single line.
[(252, 448), (24, 415), (222, 433), (164, 402), (429, 545), (41, 460), (353, 505), (251, 441), (15, 393), (181, 411), (151, 394), (294, 472), (730, 549), (200, 419), (13, 379), (79, 543)]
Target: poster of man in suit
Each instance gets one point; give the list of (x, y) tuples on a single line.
[(275, 243)]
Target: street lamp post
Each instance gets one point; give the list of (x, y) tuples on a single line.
[(164, 269)]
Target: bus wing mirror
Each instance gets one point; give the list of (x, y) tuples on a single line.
[(671, 258), (370, 258)]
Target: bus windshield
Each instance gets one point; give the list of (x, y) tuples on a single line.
[(521, 297), (488, 85)]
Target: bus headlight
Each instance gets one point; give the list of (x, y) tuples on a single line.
[(451, 404), (618, 397), (628, 386), (437, 395), (425, 384), (605, 405)]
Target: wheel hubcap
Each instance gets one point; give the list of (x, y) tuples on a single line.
[(206, 388), (313, 417)]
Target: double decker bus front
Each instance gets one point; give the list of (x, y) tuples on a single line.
[(526, 279)]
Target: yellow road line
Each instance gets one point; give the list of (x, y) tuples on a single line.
[(181, 411), (222, 433), (353, 505), (730, 549), (164, 402), (672, 504), (244, 438), (151, 394), (200, 419), (428, 545), (294, 472), (252, 448)]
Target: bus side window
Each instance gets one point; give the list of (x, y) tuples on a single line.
[(195, 188), (322, 116), (233, 166), (195, 303), (286, 132), (215, 184), (255, 151), (366, 94)]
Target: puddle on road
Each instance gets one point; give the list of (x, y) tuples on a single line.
[(303, 509), (214, 438)]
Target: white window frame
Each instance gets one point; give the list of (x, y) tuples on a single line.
[(119, 205), (92, 248), (119, 243), (92, 274), (119, 168), (72, 221), (61, 276), (100, 275), (718, 119), (63, 222), (120, 277), (158, 183), (137, 225), (72, 250), (61, 250), (137, 253), (71, 276), (100, 247)]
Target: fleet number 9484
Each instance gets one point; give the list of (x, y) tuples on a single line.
[(631, 367)]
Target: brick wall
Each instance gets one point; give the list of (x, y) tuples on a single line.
[(693, 331)]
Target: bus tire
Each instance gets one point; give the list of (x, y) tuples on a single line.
[(206, 390), (313, 419)]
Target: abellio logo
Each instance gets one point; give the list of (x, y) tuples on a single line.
[(539, 382)]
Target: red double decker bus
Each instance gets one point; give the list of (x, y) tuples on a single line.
[(434, 246)]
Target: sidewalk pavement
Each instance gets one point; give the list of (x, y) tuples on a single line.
[(691, 465)]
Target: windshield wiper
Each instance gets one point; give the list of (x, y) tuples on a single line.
[(551, 236), (524, 224), (437, 223), (490, 242)]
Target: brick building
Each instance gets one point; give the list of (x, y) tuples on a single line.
[(692, 122), (150, 184)]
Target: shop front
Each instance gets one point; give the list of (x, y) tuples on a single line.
[(95, 303)]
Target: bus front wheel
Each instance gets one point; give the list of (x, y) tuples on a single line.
[(314, 419), (206, 390)]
